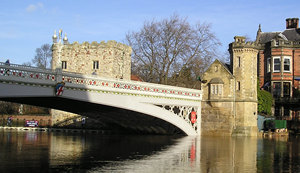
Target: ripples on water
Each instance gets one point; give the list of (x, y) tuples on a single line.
[(71, 152)]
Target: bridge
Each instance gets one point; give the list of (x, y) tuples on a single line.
[(125, 105)]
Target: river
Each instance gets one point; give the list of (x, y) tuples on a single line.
[(30, 151)]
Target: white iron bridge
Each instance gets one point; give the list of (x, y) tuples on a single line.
[(124, 104)]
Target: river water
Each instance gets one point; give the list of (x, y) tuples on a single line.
[(29, 151)]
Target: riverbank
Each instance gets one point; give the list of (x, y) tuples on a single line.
[(274, 134), (43, 129), (20, 120)]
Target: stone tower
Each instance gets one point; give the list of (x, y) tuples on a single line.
[(243, 59), (105, 59)]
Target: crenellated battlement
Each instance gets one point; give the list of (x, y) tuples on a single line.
[(240, 41), (96, 45)]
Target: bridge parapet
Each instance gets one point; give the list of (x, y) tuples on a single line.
[(133, 87), (26, 74)]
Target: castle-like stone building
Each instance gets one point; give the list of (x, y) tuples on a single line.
[(109, 60), (229, 104)]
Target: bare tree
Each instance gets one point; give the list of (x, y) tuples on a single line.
[(43, 56), (171, 46)]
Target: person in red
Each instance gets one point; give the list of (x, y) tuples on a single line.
[(193, 117)]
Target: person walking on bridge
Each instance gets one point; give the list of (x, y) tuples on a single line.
[(7, 70), (7, 62)]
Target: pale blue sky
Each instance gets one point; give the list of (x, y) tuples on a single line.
[(26, 25)]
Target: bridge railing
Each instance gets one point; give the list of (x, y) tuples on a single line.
[(76, 80), (28, 73), (128, 86)]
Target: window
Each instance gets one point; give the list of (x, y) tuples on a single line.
[(276, 64), (64, 64), (276, 89), (286, 111), (286, 64), (239, 61), (95, 64), (220, 89), (238, 86), (286, 89), (216, 89), (268, 65), (216, 68)]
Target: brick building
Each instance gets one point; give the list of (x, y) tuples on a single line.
[(279, 67)]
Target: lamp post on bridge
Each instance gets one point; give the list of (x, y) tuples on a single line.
[(201, 81)]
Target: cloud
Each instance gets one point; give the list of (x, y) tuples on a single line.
[(34, 7)]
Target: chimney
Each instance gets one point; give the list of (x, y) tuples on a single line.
[(292, 23)]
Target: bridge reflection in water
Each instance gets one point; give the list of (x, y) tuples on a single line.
[(71, 152)]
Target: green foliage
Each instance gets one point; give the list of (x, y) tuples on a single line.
[(296, 93), (265, 101)]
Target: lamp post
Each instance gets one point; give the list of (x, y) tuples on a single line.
[(201, 81)]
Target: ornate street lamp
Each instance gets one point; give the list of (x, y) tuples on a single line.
[(201, 81)]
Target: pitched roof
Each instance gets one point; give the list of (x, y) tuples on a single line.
[(267, 36), (136, 78), (225, 66), (216, 81), (291, 34)]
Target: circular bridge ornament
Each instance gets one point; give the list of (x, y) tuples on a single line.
[(59, 88), (193, 117)]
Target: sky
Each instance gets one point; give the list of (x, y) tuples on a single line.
[(27, 25)]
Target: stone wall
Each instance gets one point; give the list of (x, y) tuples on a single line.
[(217, 118), (19, 120)]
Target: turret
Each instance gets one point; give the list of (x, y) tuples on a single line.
[(258, 34), (244, 67), (54, 37)]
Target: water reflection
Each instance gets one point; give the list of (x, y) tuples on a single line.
[(61, 152), (65, 149), (180, 157), (228, 154)]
